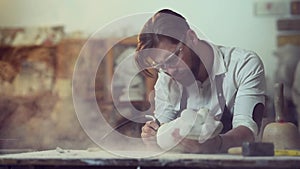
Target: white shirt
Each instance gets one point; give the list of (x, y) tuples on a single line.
[(243, 87)]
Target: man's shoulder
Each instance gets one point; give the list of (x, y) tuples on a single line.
[(238, 54)]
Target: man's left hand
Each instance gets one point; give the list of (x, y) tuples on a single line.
[(193, 146)]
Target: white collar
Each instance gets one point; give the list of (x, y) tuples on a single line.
[(218, 63)]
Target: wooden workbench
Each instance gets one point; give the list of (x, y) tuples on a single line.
[(101, 159)]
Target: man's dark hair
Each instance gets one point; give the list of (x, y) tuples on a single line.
[(164, 24)]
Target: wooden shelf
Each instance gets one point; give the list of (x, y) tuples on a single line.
[(109, 69)]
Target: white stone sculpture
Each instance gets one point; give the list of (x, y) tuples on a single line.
[(197, 125)]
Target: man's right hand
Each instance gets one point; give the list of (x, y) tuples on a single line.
[(148, 134)]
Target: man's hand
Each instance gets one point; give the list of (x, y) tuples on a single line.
[(148, 134), (193, 146)]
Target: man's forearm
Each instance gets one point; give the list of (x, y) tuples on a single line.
[(236, 137)]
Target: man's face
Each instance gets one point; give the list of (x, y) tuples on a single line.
[(177, 62)]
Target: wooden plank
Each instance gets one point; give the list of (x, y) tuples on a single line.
[(104, 159), (109, 71), (288, 24), (295, 7), (288, 39)]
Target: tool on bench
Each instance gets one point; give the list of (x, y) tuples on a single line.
[(283, 134), (261, 149), (253, 149)]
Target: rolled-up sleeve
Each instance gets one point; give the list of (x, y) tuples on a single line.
[(167, 98), (251, 91)]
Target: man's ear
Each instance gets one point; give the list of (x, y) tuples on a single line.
[(192, 37)]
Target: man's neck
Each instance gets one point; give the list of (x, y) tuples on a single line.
[(205, 53), (202, 74)]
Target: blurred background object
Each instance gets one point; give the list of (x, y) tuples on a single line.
[(288, 57)]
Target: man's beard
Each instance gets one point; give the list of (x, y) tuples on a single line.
[(189, 76), (196, 66)]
